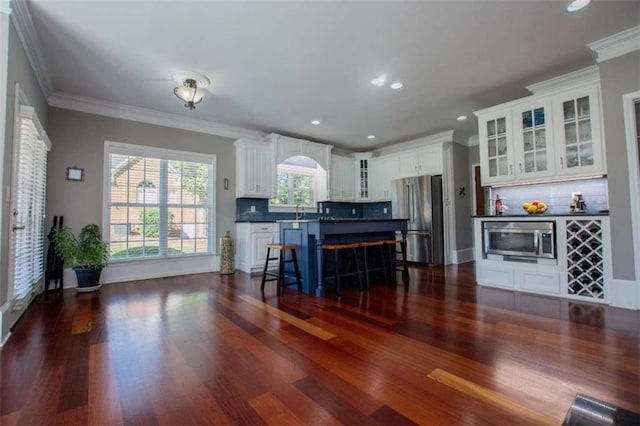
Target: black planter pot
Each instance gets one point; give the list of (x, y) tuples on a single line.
[(88, 279)]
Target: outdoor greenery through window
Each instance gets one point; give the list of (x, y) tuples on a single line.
[(160, 202), (296, 181)]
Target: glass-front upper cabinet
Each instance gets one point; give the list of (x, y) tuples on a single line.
[(534, 144), (496, 146), (579, 134)]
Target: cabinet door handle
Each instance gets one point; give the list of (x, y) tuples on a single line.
[(561, 163), (520, 164), (510, 169)]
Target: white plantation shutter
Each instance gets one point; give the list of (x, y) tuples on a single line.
[(27, 236)]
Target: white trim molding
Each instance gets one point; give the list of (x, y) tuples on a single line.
[(616, 45), (463, 256), (633, 166), (149, 116), (5, 9), (625, 294), (28, 36), (583, 77)]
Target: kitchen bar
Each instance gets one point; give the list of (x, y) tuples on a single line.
[(309, 235)]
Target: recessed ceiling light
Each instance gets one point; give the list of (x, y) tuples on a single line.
[(397, 85), (315, 122), (379, 80), (576, 5), (371, 137), (461, 118)]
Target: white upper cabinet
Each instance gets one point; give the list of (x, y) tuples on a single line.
[(421, 161), (579, 132), (533, 140), (384, 169), (255, 169), (554, 134), (363, 176), (496, 147), (342, 179)]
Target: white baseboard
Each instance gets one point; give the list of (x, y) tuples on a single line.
[(625, 294), (147, 269), (462, 256)]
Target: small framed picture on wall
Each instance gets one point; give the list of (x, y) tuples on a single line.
[(75, 173)]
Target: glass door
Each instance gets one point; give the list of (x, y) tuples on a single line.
[(533, 141)]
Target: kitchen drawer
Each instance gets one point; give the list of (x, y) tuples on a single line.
[(263, 227), (495, 274), (539, 281)]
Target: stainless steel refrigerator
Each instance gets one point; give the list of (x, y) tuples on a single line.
[(419, 199)]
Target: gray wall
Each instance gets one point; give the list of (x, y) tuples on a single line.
[(78, 139), (461, 178), (474, 155), (19, 71), (618, 77)]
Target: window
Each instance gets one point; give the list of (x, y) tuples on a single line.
[(160, 202), (296, 183)]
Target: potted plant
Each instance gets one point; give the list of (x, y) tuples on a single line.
[(87, 254)]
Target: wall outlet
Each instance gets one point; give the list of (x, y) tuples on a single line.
[(384, 210), (327, 210), (353, 211), (253, 209)]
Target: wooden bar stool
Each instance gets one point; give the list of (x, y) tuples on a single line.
[(337, 254), (368, 252), (398, 264), (281, 275)]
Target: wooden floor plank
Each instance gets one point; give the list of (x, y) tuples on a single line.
[(209, 349), (492, 398)]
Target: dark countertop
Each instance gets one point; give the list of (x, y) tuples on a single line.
[(520, 216), (256, 221), (361, 219)]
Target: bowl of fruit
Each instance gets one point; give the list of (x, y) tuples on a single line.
[(535, 207)]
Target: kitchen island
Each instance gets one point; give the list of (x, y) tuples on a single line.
[(309, 235)]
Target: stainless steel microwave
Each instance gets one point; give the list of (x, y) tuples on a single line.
[(520, 238)]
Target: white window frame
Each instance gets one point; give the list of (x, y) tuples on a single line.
[(314, 173), (111, 147)]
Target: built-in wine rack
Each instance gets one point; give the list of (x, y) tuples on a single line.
[(585, 258)]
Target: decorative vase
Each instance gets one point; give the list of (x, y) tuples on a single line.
[(226, 254)]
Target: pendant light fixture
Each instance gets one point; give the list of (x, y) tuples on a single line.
[(191, 90)]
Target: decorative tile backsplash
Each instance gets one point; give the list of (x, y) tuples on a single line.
[(556, 195), (337, 210)]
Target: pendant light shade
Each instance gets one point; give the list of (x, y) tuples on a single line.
[(190, 92)]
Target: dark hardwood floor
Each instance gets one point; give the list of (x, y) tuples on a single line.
[(208, 349)]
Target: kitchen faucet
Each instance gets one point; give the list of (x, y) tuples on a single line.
[(298, 214)]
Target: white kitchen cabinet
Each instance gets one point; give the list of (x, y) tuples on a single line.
[(342, 179), (578, 132), (534, 148), (554, 134), (496, 147), (251, 240), (383, 170), (255, 169), (363, 176), (422, 161)]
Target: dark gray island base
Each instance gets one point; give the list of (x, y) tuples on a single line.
[(309, 235)]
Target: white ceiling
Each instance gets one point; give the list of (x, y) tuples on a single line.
[(275, 66)]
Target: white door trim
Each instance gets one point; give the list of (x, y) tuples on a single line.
[(633, 156)]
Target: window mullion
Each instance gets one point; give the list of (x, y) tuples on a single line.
[(163, 209)]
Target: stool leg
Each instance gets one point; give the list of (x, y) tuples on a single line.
[(296, 269), (405, 266), (365, 252), (355, 256), (266, 266), (280, 272), (337, 259), (384, 264)]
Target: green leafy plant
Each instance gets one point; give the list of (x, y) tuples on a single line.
[(150, 217), (87, 250)]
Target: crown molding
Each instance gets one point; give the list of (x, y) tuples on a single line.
[(585, 76), (23, 23), (473, 141), (143, 115), (438, 138), (616, 45)]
